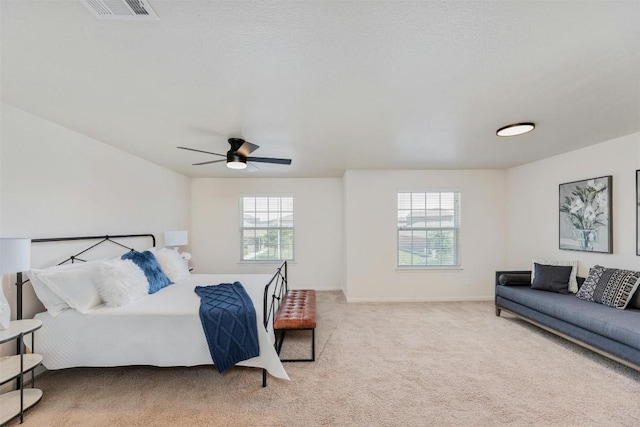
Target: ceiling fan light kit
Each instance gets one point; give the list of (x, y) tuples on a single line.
[(516, 129), (236, 162), (238, 156)]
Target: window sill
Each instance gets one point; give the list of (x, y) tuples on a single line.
[(426, 268), (266, 262)]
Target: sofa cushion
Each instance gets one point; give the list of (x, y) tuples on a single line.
[(609, 286), (551, 278), (588, 338), (619, 325)]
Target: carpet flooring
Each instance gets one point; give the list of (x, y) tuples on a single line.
[(378, 364)]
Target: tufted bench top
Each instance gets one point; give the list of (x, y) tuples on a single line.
[(297, 310)]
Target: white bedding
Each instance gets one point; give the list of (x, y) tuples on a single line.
[(162, 329)]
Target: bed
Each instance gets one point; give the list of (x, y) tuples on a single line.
[(160, 329)]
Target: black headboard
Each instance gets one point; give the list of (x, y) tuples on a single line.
[(114, 239)]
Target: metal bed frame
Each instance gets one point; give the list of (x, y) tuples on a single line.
[(270, 305), (270, 308), (75, 257)]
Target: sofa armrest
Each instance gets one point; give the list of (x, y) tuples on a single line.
[(513, 278)]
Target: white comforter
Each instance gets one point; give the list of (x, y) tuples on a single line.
[(162, 329)]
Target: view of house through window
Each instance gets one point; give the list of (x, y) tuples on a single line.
[(266, 228), (429, 229)]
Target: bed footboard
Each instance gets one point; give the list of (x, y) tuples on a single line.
[(274, 292)]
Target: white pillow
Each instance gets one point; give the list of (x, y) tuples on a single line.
[(121, 282), (573, 281), (75, 284), (51, 301), (172, 264)]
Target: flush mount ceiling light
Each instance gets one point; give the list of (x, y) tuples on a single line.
[(516, 129)]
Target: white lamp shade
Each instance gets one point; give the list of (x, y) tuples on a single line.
[(15, 255), (176, 238)]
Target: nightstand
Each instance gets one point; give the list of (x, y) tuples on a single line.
[(15, 402)]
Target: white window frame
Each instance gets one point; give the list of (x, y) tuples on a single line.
[(456, 228), (267, 227)]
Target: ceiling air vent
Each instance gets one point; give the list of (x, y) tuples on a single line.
[(121, 9)]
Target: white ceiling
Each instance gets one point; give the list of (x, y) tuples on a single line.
[(333, 85)]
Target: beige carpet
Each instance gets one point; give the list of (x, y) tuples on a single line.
[(404, 364)]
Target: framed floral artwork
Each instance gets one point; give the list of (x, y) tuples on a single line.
[(585, 215), (638, 212)]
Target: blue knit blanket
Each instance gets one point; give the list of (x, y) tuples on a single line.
[(229, 322)]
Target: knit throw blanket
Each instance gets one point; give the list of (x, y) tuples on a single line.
[(229, 322)]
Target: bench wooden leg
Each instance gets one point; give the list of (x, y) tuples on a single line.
[(279, 342)]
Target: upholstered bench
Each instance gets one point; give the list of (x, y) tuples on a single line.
[(297, 312)]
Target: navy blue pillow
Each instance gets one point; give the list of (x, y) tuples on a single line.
[(149, 265)]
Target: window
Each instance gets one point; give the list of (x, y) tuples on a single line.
[(266, 228), (429, 229)]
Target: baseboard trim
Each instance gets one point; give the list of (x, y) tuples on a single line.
[(423, 299)]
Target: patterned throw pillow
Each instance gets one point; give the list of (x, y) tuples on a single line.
[(609, 286)]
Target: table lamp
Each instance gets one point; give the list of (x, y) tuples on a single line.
[(15, 257), (176, 238)]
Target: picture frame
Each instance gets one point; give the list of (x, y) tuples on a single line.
[(585, 215), (638, 212)]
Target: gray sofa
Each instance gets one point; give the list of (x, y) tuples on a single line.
[(612, 332)]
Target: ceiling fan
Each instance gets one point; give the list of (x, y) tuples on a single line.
[(238, 156)]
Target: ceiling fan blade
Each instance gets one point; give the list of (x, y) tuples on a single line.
[(208, 163), (201, 151), (251, 167), (269, 160), (247, 148)]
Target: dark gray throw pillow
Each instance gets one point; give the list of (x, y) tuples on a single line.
[(552, 278), (635, 300)]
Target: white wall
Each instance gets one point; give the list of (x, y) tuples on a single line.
[(371, 236), (532, 209), (318, 225), (56, 182)]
